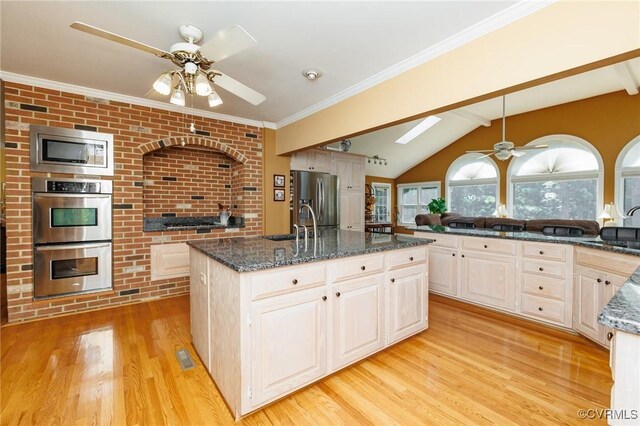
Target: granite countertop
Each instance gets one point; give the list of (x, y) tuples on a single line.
[(623, 310), (257, 253), (159, 224)]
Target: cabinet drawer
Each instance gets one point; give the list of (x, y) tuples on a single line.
[(617, 280), (544, 251), (620, 263), (541, 267), (357, 266), (537, 285), (400, 258), (280, 281), (489, 245), (441, 240), (544, 309)]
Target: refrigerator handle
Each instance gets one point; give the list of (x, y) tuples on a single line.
[(320, 198)]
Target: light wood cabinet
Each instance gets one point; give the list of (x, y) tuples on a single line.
[(592, 293), (407, 310), (352, 211), (358, 319), (169, 261), (199, 304), (314, 160), (443, 271), (625, 369), (488, 279), (288, 343), (350, 170)]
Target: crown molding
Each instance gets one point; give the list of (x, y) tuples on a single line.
[(492, 23), (117, 97)]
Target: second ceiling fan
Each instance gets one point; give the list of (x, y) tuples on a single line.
[(504, 149)]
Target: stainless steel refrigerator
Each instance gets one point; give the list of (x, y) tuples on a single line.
[(320, 191)]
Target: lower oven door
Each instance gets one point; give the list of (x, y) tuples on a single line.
[(66, 269)]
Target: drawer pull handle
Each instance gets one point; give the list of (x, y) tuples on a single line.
[(338, 294), (295, 281), (411, 258), (541, 252), (540, 309), (486, 246), (363, 267), (607, 282), (393, 280), (324, 298), (599, 280), (609, 336), (541, 269), (541, 288)]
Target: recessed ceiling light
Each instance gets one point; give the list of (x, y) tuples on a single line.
[(424, 125), (312, 74)]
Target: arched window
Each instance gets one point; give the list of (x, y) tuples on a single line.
[(563, 181), (473, 185), (628, 180)]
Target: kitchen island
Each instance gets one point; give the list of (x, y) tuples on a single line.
[(269, 316)]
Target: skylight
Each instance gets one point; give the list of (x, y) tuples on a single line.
[(424, 125)]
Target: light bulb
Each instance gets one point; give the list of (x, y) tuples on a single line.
[(192, 128), (214, 99), (203, 87), (177, 97), (162, 84)]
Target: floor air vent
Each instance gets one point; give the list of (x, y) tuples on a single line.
[(184, 359)]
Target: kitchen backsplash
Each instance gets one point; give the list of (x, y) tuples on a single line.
[(185, 182)]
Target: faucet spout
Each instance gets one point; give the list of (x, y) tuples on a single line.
[(632, 210), (313, 216)]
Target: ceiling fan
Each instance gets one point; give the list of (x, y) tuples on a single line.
[(504, 149), (195, 74)]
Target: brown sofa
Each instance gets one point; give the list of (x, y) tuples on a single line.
[(455, 220)]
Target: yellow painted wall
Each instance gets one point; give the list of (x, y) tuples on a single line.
[(275, 213), (608, 122), (564, 38)]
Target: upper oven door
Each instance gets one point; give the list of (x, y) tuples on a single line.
[(63, 218)]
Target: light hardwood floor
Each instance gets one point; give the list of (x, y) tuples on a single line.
[(471, 366)]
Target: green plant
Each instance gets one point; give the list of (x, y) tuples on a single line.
[(437, 206)]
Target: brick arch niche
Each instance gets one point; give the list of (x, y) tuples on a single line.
[(189, 176)]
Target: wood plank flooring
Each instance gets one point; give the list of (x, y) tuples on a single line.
[(472, 366)]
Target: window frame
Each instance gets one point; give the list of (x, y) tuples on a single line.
[(431, 184), (469, 158), (621, 173), (389, 199), (549, 140)]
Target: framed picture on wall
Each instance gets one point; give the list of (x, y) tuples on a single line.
[(278, 181), (278, 195)]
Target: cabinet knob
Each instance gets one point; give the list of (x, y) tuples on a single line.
[(540, 309), (338, 294), (324, 298), (541, 288), (541, 269), (393, 280), (363, 267), (607, 282), (541, 252), (486, 246), (599, 280), (463, 255), (609, 336), (295, 281), (411, 258), (453, 254)]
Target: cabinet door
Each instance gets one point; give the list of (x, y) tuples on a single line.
[(342, 168), (344, 210), (488, 279), (320, 161), (443, 271), (358, 314), (299, 161), (357, 174), (288, 343), (407, 302), (199, 301), (607, 291), (589, 292), (356, 210)]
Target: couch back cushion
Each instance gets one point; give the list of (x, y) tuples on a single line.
[(428, 219), (505, 224), (590, 227), (460, 221)]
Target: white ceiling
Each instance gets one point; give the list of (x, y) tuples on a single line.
[(349, 41), (452, 127)]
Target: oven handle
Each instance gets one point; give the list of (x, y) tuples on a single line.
[(72, 246), (69, 195)]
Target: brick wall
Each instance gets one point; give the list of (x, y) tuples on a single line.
[(185, 182), (137, 131)]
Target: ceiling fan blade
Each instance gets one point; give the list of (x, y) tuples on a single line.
[(227, 43), (517, 153), (482, 150), (240, 90), (486, 155), (89, 29), (528, 148)]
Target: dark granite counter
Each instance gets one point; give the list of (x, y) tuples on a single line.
[(257, 253), (623, 310), (159, 224)]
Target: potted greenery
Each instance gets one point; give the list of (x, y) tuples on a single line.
[(437, 206)]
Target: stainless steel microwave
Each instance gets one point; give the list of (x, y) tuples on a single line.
[(79, 152)]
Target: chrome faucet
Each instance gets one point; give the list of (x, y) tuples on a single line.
[(632, 210), (315, 224)]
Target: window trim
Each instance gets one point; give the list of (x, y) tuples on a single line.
[(621, 173), (470, 158), (549, 140), (433, 184), (389, 199)]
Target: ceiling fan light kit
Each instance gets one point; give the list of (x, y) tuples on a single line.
[(214, 99), (177, 97)]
